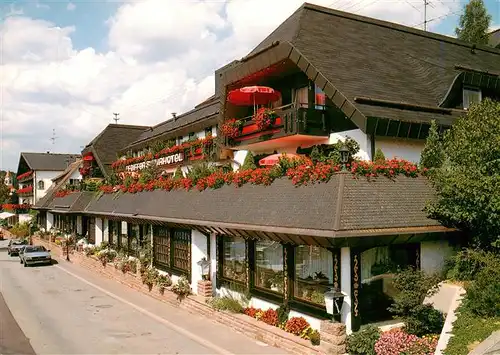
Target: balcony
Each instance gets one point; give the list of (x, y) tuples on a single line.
[(25, 191), (293, 127), (27, 176)]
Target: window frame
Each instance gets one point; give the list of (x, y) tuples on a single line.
[(173, 241), (220, 263), (40, 183), (467, 89)]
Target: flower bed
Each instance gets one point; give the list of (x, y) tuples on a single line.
[(25, 190), (296, 325), (305, 173), (13, 207), (397, 341), (62, 193), (197, 147), (24, 175)]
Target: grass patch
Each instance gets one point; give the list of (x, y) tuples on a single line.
[(470, 330)]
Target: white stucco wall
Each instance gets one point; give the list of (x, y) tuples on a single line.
[(79, 225), (360, 137), (105, 230), (98, 231), (407, 149), (46, 177), (433, 255), (199, 250), (50, 220)]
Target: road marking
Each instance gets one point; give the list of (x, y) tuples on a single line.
[(178, 329)]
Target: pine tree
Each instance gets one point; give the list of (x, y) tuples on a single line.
[(432, 155), (474, 23), (379, 155), (249, 162)]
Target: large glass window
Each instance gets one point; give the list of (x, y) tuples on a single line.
[(234, 258), (181, 249), (269, 266), (471, 96), (161, 250), (313, 273)]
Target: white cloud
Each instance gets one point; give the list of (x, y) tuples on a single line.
[(70, 6), (161, 59)]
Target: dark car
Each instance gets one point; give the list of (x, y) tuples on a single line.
[(15, 245)]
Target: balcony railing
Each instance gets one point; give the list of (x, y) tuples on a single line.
[(291, 121)]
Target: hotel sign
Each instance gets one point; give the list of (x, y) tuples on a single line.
[(168, 160)]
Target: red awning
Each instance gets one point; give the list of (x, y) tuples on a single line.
[(275, 158), (253, 95)]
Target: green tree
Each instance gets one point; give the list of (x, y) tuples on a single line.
[(468, 183), (474, 23), (432, 155), (379, 155), (249, 162), (4, 193)]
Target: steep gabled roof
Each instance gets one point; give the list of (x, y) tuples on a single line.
[(203, 111), (351, 56), (48, 161), (495, 38), (110, 141)]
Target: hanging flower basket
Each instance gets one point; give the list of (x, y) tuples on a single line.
[(231, 128), (265, 118)]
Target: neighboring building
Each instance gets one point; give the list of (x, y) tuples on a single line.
[(9, 181), (35, 172), (99, 154), (495, 38), (340, 75)]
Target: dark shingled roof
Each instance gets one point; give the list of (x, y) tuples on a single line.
[(49, 161), (74, 202), (495, 38), (205, 110), (110, 141), (364, 57), (342, 207)]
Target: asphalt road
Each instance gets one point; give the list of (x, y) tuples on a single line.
[(63, 309)]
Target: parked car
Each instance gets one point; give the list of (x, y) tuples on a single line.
[(35, 254), (15, 245)]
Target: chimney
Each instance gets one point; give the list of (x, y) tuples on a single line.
[(174, 115)]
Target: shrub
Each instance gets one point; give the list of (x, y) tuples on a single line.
[(163, 281), (182, 288), (483, 294), (283, 312), (225, 304), (465, 265), (363, 342), (106, 256), (315, 338), (149, 277), (249, 162), (296, 325), (379, 155), (270, 317), (424, 319)]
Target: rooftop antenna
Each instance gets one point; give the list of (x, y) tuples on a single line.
[(116, 119), (425, 14), (54, 137)]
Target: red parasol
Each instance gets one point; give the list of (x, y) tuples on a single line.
[(275, 158), (253, 95)]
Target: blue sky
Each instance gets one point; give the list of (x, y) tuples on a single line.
[(89, 17)]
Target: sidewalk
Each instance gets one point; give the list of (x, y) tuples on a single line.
[(491, 346)]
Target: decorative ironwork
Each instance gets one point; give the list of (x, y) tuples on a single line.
[(181, 248), (356, 285), (218, 271), (417, 258), (285, 274), (336, 271)]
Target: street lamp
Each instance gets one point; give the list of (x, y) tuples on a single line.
[(204, 268), (344, 156)]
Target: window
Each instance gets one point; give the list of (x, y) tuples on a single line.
[(313, 273), (192, 135), (269, 266), (114, 231), (471, 96), (319, 98), (41, 185), (172, 249), (208, 131), (234, 258), (302, 97), (161, 250), (181, 249)]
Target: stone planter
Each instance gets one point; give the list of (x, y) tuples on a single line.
[(205, 288)]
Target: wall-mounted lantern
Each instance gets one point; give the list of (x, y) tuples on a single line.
[(334, 300), (204, 265)]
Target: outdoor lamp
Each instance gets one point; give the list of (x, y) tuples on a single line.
[(344, 155), (204, 268), (334, 300)]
